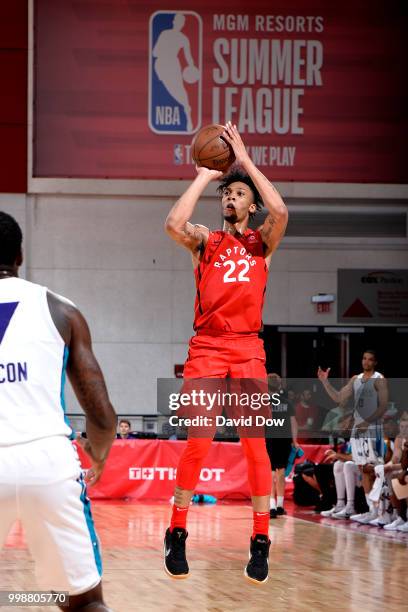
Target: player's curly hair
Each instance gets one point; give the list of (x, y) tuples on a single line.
[(236, 174), (11, 239)]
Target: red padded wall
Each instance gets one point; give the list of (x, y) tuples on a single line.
[(13, 97)]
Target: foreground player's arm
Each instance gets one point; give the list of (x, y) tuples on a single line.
[(88, 383), (337, 396), (192, 237), (274, 227), (86, 378)]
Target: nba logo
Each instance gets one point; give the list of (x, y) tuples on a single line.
[(175, 71)]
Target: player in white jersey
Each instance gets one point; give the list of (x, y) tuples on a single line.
[(370, 393), (42, 337)]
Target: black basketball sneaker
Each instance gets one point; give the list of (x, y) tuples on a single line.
[(258, 565), (175, 562)]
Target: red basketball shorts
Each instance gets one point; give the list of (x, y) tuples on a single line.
[(229, 356), (232, 355)]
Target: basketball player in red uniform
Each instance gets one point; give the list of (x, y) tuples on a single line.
[(231, 268)]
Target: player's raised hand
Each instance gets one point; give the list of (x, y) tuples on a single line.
[(323, 374), (212, 175), (233, 137)]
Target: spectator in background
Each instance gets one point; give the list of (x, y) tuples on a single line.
[(338, 422), (292, 396), (396, 468), (170, 431), (335, 418), (279, 444), (347, 478), (306, 410), (124, 430)]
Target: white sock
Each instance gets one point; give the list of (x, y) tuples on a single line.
[(350, 472), (272, 503), (338, 471), (280, 501)]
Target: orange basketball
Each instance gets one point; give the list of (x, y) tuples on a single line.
[(211, 150)]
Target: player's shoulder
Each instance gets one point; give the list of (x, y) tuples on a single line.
[(58, 299), (28, 286), (63, 311)]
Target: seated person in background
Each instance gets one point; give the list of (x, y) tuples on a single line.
[(306, 411), (124, 430), (292, 397), (395, 469), (335, 418), (347, 478), (170, 431)]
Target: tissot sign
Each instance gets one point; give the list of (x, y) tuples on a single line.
[(121, 91)]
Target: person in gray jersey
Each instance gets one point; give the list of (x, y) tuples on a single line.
[(370, 393)]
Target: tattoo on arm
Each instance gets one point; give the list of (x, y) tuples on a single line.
[(194, 234), (271, 232), (268, 226), (90, 389)]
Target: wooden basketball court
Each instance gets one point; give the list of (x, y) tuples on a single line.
[(313, 565)]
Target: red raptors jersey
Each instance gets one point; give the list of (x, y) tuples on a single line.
[(231, 282)]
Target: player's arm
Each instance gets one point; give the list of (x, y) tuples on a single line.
[(331, 456), (178, 226), (274, 227), (394, 464), (403, 476), (381, 386), (397, 452), (87, 380), (337, 396)]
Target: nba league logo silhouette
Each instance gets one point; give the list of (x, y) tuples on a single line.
[(175, 72)]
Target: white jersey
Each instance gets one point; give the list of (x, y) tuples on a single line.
[(365, 397), (366, 446), (33, 360)]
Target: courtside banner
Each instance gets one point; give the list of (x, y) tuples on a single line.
[(317, 90), (147, 469)]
